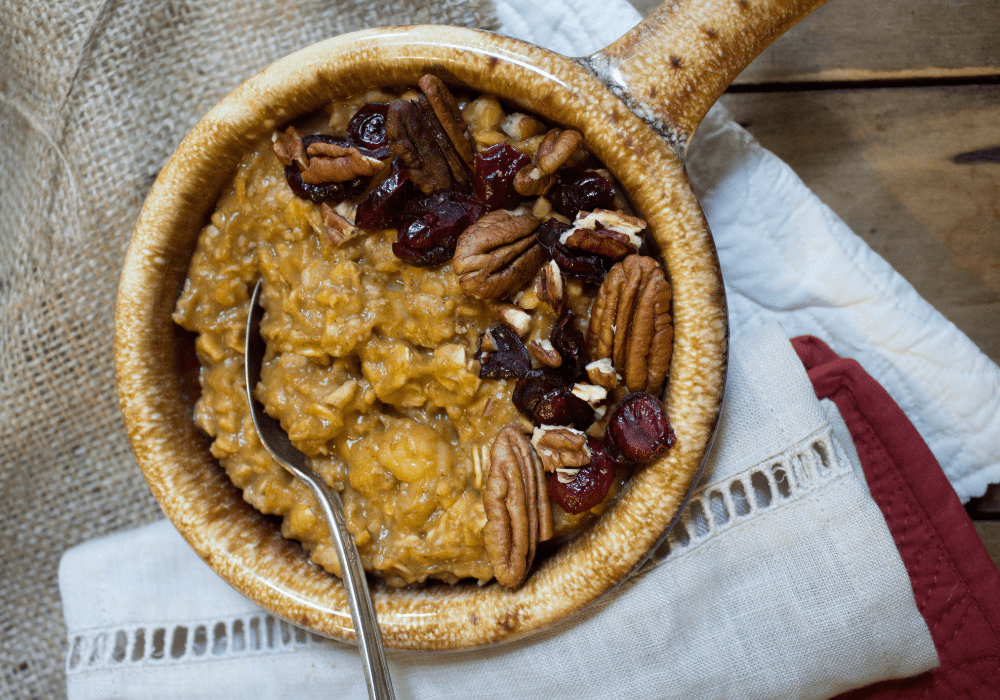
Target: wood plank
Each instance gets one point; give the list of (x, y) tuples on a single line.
[(891, 39), (885, 161), (989, 533)]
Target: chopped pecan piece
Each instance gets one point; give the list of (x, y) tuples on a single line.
[(543, 351), (602, 373), (512, 317), (530, 181), (337, 228), (289, 148), (560, 447), (551, 287), (591, 393), (445, 108), (612, 234), (522, 126), (331, 162), (631, 323), (497, 255), (518, 511), (557, 149)]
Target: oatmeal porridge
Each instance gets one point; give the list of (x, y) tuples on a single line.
[(466, 332)]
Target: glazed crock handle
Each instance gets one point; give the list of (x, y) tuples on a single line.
[(671, 67)]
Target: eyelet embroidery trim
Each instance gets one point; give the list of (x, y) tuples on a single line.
[(183, 643), (776, 482)]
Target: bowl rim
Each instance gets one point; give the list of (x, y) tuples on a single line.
[(195, 493)]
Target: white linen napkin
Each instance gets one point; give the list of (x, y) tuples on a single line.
[(780, 581)]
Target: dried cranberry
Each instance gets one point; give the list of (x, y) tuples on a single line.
[(591, 484), (431, 227), (575, 263), (567, 339), (367, 130), (383, 206), (584, 266), (329, 191), (639, 430), (549, 232), (508, 361), (534, 385), (494, 176), (562, 407), (582, 190), (421, 244)]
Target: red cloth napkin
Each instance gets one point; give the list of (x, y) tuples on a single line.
[(955, 583)]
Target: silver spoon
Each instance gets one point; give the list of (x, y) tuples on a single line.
[(276, 441)]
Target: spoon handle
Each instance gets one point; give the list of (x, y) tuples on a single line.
[(356, 587)]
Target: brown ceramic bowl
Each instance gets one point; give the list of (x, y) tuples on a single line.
[(636, 102)]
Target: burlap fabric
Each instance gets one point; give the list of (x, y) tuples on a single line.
[(94, 96)]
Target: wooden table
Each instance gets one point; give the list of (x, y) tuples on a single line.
[(890, 112)]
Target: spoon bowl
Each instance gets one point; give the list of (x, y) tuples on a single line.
[(276, 442)]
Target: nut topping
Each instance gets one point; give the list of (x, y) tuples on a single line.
[(518, 511), (543, 351), (551, 287), (560, 447), (512, 317), (497, 255), (631, 323), (289, 148), (531, 182), (602, 373), (557, 149), (413, 138), (445, 108), (522, 126), (591, 393), (610, 233), (337, 228), (331, 162)]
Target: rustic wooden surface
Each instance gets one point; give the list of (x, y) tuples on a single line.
[(890, 112)]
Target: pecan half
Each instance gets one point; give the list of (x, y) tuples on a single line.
[(560, 447), (445, 108), (415, 139), (331, 162), (497, 255), (631, 323), (518, 511)]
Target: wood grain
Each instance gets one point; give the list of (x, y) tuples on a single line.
[(989, 533), (885, 161), (891, 39)]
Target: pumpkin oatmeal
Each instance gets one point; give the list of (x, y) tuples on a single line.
[(430, 377)]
